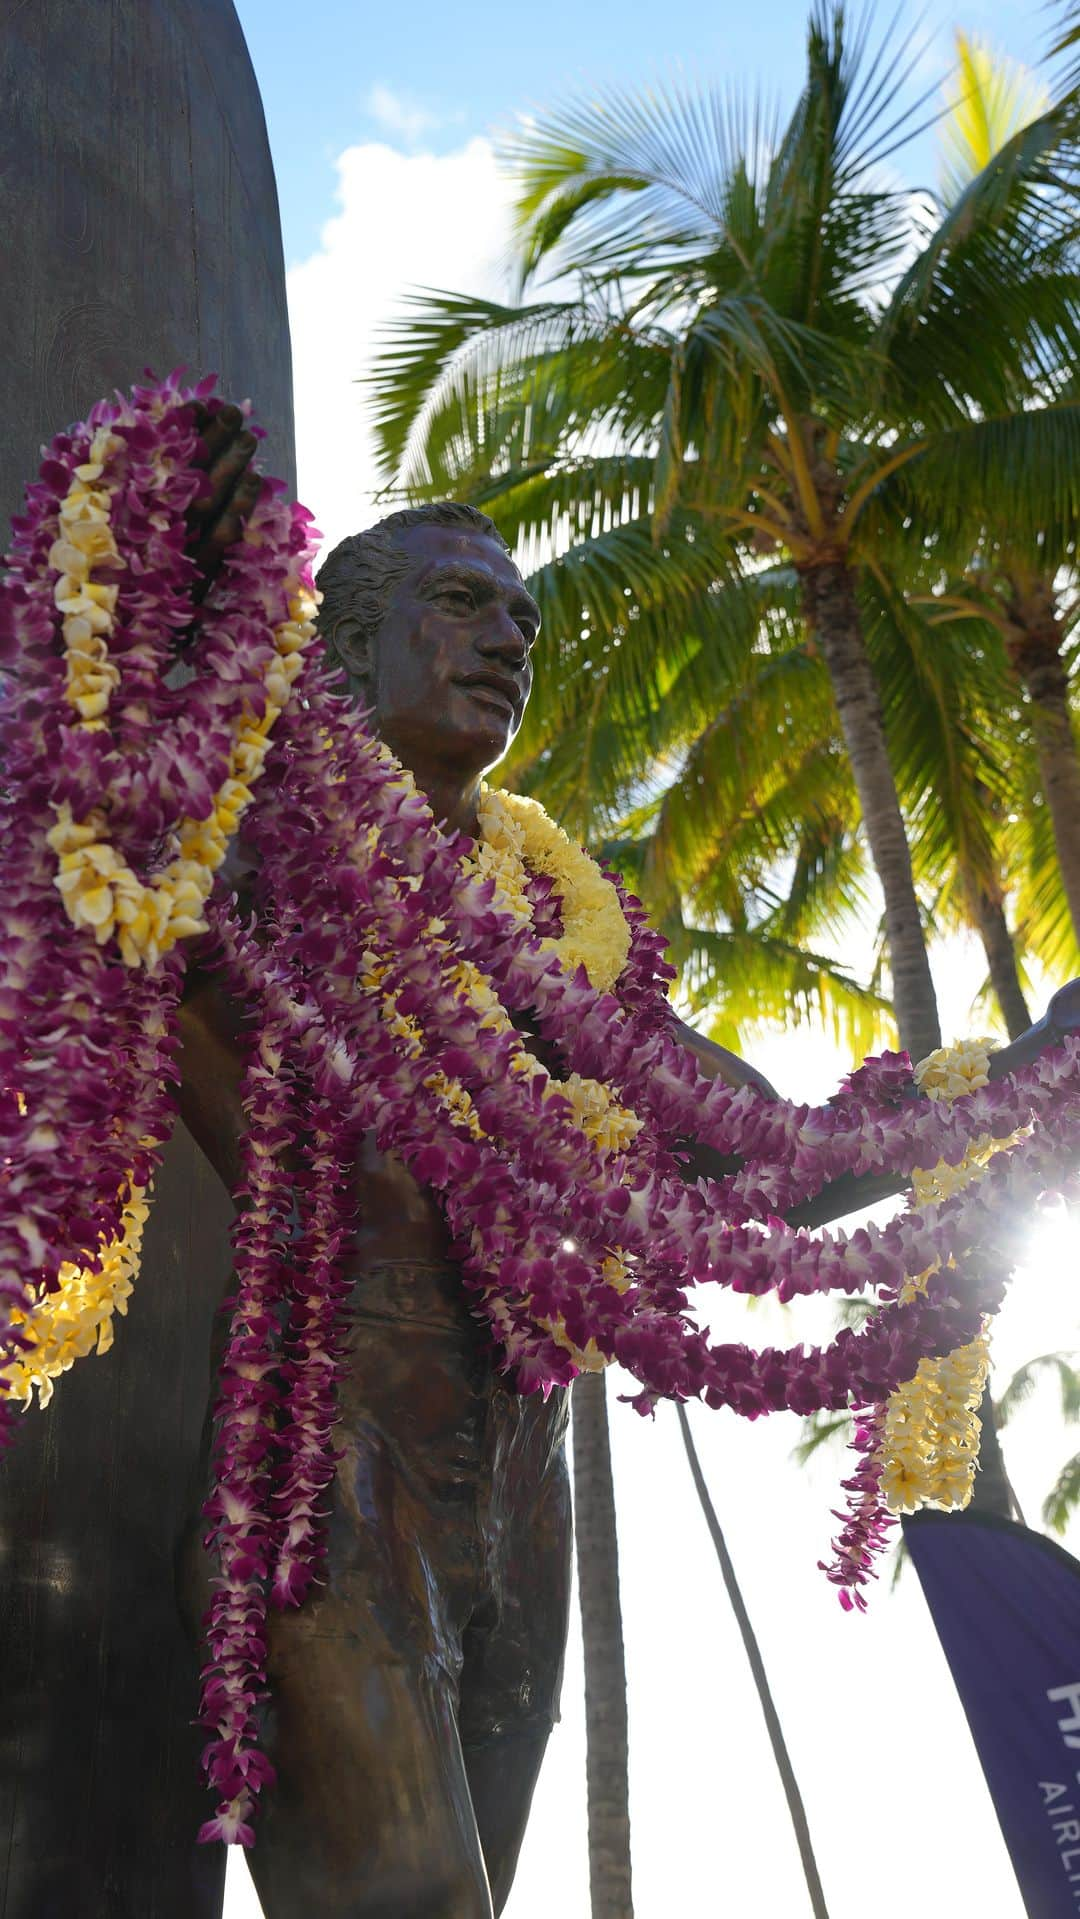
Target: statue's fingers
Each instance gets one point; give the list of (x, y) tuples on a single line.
[(229, 525), (217, 427), (229, 466), (220, 534)]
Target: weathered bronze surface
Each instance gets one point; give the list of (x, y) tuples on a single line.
[(413, 1696), (412, 1699), (139, 216)]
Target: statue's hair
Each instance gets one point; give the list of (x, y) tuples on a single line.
[(360, 575)]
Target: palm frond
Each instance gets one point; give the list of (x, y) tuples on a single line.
[(739, 981), (989, 100), (622, 166), (1064, 1496), (1002, 194), (819, 1430), (1018, 473), (1027, 1377), (441, 336)]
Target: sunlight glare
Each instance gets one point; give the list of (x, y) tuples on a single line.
[(1041, 1313)]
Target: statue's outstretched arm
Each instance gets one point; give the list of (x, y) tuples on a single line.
[(852, 1191)]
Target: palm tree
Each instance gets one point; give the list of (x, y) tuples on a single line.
[(606, 1731), (796, 1809), (962, 769), (761, 334), (1063, 1497), (666, 760), (1021, 571)]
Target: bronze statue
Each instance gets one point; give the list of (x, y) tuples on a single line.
[(412, 1696)]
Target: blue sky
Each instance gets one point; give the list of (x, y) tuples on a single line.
[(463, 71)]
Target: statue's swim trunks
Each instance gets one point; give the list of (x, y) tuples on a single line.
[(412, 1693), (449, 1527)]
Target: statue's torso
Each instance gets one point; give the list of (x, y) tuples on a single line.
[(445, 1474), (396, 1218)]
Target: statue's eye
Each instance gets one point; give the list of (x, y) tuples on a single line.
[(458, 598)]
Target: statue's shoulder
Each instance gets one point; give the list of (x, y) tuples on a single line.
[(716, 1062)]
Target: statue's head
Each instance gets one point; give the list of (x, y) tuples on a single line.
[(429, 617)]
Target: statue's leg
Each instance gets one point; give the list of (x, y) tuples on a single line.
[(371, 1816), (371, 1812), (513, 1651), (502, 1774)]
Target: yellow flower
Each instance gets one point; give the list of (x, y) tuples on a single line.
[(587, 1358), (611, 1126), (518, 838), (930, 1443), (98, 888), (77, 1319)]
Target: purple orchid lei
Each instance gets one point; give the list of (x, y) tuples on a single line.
[(368, 977)]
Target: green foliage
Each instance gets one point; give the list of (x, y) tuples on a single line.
[(1028, 1376), (770, 351), (989, 101), (1063, 1499)]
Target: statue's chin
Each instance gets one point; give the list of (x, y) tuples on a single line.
[(468, 737)]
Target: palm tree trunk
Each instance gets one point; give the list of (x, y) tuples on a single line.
[(832, 613), (606, 1740), (992, 1492), (988, 913), (796, 1809), (1034, 641)]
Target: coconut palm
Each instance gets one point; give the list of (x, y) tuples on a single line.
[(1020, 573), (963, 772), (709, 772), (1063, 1497), (762, 331), (796, 1809), (606, 1730)]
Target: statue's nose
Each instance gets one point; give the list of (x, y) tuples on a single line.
[(503, 639)]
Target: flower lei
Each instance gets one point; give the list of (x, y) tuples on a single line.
[(517, 842), (930, 1438), (381, 994)]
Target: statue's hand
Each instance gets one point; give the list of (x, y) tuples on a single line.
[(216, 516), (1063, 1012), (1061, 1018)]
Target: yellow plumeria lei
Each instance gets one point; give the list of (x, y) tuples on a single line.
[(98, 887), (930, 1442), (74, 1320), (100, 890), (85, 541), (77, 1319), (517, 838)]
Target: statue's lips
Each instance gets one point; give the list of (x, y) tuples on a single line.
[(493, 690)]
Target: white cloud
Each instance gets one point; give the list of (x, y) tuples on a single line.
[(404, 221), (400, 114)]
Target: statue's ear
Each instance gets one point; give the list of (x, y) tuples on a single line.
[(353, 647)]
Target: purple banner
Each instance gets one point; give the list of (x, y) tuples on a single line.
[(1006, 1604)]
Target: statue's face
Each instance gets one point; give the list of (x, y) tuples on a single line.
[(452, 670)]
